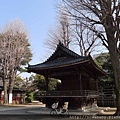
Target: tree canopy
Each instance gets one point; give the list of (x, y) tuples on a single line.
[(15, 51), (104, 62)]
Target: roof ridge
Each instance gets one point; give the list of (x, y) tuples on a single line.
[(64, 48)]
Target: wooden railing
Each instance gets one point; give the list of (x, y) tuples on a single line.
[(107, 97), (67, 93)]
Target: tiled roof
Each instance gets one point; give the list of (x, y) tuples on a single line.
[(58, 63), (62, 56)]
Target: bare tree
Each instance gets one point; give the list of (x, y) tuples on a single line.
[(16, 51), (84, 38), (105, 14), (71, 32), (62, 32)]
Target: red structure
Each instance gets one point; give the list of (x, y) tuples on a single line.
[(17, 95), (78, 76)]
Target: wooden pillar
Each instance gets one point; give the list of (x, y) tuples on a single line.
[(79, 78), (47, 82), (80, 81), (96, 84)]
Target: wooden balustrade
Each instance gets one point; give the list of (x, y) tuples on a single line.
[(75, 93)]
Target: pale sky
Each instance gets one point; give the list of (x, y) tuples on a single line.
[(37, 15)]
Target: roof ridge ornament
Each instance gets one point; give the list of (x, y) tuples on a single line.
[(60, 43)]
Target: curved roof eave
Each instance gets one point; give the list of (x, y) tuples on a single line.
[(58, 66)]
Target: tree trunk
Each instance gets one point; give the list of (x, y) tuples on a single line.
[(10, 92), (5, 91), (116, 69), (11, 85), (117, 102), (117, 86), (114, 55)]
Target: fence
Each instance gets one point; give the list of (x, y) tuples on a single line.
[(74, 93), (107, 98)]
